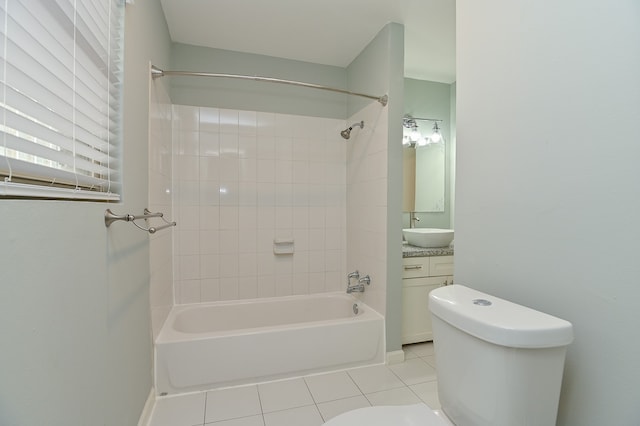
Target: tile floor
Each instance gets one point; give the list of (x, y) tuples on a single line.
[(307, 401)]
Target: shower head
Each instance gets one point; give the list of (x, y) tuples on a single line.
[(346, 133)]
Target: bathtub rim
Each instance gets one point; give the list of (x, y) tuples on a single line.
[(168, 334)]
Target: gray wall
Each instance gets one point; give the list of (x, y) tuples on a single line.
[(548, 206), (74, 296), (429, 99), (250, 95)]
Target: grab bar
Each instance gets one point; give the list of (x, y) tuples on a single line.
[(110, 217)]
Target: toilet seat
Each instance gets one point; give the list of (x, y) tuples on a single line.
[(400, 415)]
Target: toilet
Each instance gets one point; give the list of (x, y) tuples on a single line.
[(499, 364)]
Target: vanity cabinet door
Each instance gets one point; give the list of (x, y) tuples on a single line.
[(440, 266), (416, 318)]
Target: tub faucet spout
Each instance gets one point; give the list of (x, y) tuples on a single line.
[(359, 287)]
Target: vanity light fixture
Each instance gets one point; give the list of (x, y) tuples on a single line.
[(412, 136)]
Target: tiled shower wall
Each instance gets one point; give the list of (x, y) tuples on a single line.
[(243, 179)]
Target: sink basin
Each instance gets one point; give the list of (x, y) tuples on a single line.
[(428, 237)]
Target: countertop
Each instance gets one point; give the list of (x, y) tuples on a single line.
[(413, 251)]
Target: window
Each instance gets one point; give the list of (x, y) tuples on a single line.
[(61, 88)]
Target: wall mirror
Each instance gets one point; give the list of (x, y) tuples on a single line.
[(429, 190), (424, 178)]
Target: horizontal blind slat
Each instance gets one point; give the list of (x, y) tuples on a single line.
[(53, 158), (50, 136)]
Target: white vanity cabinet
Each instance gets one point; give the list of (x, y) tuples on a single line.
[(421, 275)]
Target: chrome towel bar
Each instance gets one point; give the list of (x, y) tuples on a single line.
[(110, 217)]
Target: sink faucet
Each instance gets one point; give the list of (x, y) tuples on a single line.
[(359, 287), (413, 219)]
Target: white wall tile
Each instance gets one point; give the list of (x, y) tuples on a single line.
[(189, 291), (248, 216), (209, 217), (229, 145), (209, 290), (189, 267), (248, 287), (266, 123), (229, 169), (266, 147), (266, 214), (229, 264), (300, 284), (248, 170), (247, 123), (247, 239), (247, 264), (208, 195), (209, 120), (229, 288), (284, 285), (266, 170), (247, 146), (209, 241), (229, 241), (188, 142), (266, 285), (300, 149), (229, 193), (209, 144), (229, 121)]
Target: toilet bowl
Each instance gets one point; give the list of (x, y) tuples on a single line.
[(401, 415), (489, 351)]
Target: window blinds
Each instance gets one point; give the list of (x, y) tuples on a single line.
[(61, 88)]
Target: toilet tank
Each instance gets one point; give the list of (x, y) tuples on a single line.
[(498, 363)]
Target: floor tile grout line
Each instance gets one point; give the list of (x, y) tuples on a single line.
[(264, 422), (313, 399), (204, 411)]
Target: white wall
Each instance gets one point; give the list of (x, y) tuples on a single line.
[(548, 183), (244, 179), (74, 295)]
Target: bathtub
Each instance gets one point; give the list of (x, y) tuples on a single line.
[(211, 345)]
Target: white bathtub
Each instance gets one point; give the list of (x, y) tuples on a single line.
[(205, 346)]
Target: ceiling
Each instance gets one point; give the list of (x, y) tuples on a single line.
[(329, 32)]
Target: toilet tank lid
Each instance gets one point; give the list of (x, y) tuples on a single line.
[(497, 320)]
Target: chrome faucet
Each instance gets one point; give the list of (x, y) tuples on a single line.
[(413, 219), (359, 287)]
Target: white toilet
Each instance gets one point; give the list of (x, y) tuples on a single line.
[(499, 364)]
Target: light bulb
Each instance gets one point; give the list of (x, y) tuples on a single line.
[(436, 136)]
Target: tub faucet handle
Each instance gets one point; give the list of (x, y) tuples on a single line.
[(355, 274), (365, 280)]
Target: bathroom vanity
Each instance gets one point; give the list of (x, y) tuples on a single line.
[(423, 269)]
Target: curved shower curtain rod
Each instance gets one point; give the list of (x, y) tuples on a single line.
[(157, 72)]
